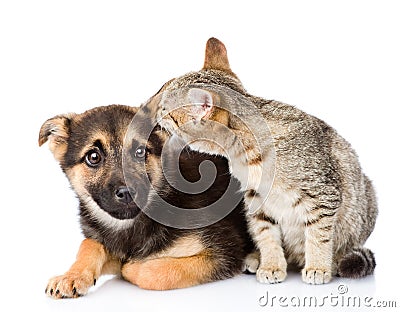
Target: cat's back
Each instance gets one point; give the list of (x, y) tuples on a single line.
[(292, 127)]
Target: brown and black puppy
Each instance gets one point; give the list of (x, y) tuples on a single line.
[(121, 236)]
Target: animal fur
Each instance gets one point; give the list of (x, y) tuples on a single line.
[(308, 201), (119, 237)]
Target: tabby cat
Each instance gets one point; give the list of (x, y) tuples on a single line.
[(308, 202)]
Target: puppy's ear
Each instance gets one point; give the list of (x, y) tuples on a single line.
[(202, 103), (56, 130)]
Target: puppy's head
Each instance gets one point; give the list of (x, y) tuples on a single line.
[(88, 147)]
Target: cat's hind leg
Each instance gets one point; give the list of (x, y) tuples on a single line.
[(251, 262)]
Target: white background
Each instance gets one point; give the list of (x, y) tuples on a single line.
[(338, 60)]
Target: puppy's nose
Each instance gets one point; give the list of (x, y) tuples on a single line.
[(123, 195)]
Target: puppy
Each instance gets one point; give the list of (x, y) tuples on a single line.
[(122, 236)]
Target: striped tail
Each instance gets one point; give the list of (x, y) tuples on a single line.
[(357, 263)]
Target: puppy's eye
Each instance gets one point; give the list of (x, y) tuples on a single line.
[(140, 152), (93, 158)]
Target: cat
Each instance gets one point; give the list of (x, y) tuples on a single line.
[(308, 202)]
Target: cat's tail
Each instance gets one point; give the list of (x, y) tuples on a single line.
[(357, 263)]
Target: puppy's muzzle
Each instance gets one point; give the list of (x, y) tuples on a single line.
[(123, 195)]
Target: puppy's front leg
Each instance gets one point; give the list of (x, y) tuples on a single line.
[(170, 273), (92, 260)]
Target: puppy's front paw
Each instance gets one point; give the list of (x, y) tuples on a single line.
[(69, 285), (251, 262), (269, 275), (316, 276)]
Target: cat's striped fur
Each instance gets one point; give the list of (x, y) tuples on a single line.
[(318, 209)]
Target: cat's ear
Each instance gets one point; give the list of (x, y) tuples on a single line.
[(56, 130), (217, 56), (202, 103)]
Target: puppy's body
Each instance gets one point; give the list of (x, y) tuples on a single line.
[(120, 237)]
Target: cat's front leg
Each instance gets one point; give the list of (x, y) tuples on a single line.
[(267, 236), (319, 234)]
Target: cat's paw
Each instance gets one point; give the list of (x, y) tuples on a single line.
[(69, 285), (269, 275), (316, 276), (251, 262)]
